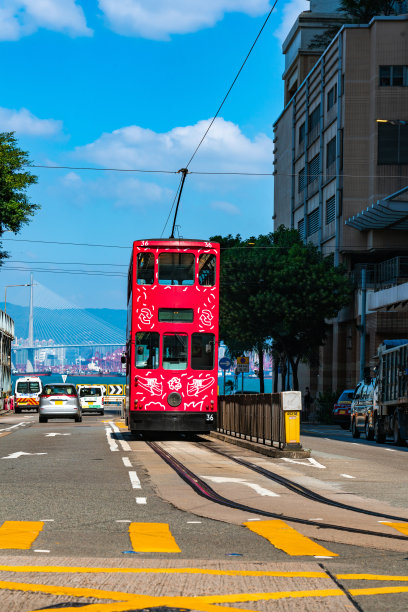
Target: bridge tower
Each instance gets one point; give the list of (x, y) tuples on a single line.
[(30, 351)]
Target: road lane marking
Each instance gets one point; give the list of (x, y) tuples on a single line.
[(52, 434), (284, 537), (152, 537), (141, 500), (126, 462), (19, 535), (125, 446), (112, 444), (20, 454), (134, 480), (310, 462), (39, 550), (194, 522), (123, 521), (258, 489), (402, 527), (347, 476)]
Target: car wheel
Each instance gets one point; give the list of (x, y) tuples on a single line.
[(77, 419), (17, 410), (345, 426), (379, 437), (354, 431), (369, 432), (42, 419), (102, 412)]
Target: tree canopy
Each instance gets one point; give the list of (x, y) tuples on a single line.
[(356, 11), (275, 287), (15, 207)]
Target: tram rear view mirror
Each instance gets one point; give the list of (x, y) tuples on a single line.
[(208, 348)]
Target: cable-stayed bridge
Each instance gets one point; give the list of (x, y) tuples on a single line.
[(60, 335)]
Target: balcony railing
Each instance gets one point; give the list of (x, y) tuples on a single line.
[(382, 275)]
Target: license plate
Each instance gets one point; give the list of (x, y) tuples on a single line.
[(89, 403), (342, 412), (59, 402)]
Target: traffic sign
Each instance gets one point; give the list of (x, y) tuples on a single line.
[(224, 363), (115, 390), (242, 364), (243, 360)]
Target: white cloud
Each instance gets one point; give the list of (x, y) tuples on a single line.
[(20, 18), (159, 19), (227, 207), (24, 122), (225, 149), (290, 13)]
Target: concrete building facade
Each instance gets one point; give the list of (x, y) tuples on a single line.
[(341, 175), (6, 338)]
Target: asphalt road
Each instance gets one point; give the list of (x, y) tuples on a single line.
[(90, 515)]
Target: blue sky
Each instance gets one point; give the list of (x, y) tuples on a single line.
[(133, 84)]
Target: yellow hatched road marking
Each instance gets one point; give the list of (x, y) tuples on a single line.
[(19, 534), (289, 540), (152, 537), (402, 527)]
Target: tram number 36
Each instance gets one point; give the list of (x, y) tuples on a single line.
[(209, 417)]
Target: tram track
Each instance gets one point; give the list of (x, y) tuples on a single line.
[(300, 489), (204, 490)]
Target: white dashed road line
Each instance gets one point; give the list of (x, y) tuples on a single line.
[(141, 500), (126, 462), (134, 480)]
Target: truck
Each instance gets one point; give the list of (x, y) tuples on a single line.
[(27, 393), (390, 409)]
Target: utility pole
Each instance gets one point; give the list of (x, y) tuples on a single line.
[(363, 321)]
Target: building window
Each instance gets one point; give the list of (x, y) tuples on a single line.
[(314, 118), (313, 222), (313, 169), (393, 76), (330, 209), (393, 142), (332, 97), (331, 152), (302, 133), (301, 228), (301, 180)]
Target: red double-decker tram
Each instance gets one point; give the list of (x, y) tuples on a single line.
[(172, 336)]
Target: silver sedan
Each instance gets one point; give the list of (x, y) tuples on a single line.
[(59, 401)]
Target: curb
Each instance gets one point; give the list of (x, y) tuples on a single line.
[(262, 449)]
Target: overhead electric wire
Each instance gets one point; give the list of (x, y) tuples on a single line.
[(232, 84)]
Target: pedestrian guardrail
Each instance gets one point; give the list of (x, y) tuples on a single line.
[(269, 418)]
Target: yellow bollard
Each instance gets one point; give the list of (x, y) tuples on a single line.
[(291, 406)]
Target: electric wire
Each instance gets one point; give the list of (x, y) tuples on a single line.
[(232, 84)]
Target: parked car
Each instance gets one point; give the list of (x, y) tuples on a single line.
[(59, 401), (362, 409), (342, 409)]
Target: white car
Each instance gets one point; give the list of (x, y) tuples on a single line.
[(91, 398)]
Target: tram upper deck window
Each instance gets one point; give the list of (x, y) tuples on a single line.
[(202, 351), (145, 268), (175, 351), (147, 350), (176, 269), (206, 269)]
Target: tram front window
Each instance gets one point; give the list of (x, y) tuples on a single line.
[(202, 351), (176, 269), (145, 269), (206, 269), (147, 350), (175, 351)]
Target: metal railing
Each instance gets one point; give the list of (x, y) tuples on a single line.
[(385, 274), (257, 418)]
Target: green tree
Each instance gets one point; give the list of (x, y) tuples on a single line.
[(15, 207), (355, 11), (276, 287)]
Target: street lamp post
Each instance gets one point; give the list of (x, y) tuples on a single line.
[(5, 293)]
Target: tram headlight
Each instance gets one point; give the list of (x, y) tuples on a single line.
[(174, 399)]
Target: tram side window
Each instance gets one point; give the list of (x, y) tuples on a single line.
[(202, 351), (175, 349), (145, 268), (206, 269), (147, 350), (176, 269)]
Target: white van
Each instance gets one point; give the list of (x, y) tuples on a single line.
[(27, 393), (91, 398)]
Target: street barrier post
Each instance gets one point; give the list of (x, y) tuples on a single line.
[(291, 405)]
